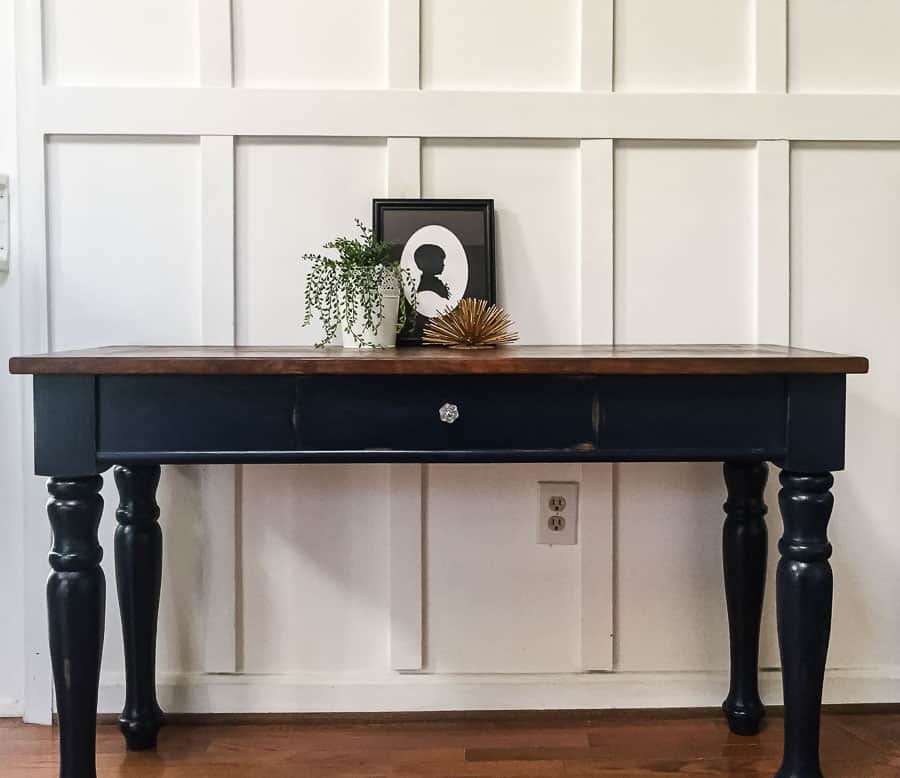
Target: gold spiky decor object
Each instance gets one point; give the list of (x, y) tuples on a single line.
[(472, 324)]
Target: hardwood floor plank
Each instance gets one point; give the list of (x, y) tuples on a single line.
[(653, 744)]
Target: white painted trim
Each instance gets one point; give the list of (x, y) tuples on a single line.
[(403, 44), (597, 565), (404, 176), (217, 201), (215, 65), (597, 242), (345, 692), (407, 491), (773, 291), (444, 114), (218, 521), (597, 46), (32, 264), (596, 510), (771, 45), (407, 482), (10, 708), (218, 485)]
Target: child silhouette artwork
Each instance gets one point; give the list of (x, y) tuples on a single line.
[(430, 260)]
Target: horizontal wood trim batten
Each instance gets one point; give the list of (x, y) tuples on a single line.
[(538, 360), (448, 114)]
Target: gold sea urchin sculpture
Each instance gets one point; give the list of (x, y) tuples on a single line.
[(472, 324)]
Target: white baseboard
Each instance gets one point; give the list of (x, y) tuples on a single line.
[(347, 693), (11, 708)]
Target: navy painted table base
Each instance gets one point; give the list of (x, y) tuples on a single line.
[(86, 423), (77, 587)]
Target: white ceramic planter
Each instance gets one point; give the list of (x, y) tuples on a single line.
[(385, 335)]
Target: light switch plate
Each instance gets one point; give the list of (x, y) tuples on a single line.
[(4, 223), (557, 514)]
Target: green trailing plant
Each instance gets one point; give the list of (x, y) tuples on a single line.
[(350, 289)]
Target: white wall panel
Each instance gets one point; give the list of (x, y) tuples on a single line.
[(495, 600), (535, 186), (845, 284), (314, 541), (315, 572), (669, 568), (844, 46), (136, 43), (685, 273), (292, 197), (482, 606), (307, 43), (500, 44), (685, 245), (123, 242), (686, 46)]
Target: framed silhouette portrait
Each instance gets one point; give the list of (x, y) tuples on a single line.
[(447, 249)]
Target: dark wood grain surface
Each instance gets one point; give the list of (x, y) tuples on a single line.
[(538, 360)]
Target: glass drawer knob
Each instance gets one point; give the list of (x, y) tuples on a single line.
[(448, 413)]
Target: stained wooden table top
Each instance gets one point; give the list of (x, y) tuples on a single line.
[(537, 360)]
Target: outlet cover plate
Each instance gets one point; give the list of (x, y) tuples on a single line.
[(557, 514)]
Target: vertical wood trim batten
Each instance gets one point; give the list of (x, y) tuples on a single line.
[(407, 482), (218, 484), (596, 537), (217, 239), (404, 167), (771, 46), (214, 22), (31, 262), (406, 501), (597, 326), (597, 261), (597, 45), (773, 290), (218, 519), (219, 516), (403, 44)]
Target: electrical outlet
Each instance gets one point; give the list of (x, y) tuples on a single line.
[(557, 514)]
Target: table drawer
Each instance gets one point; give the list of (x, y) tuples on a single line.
[(432, 413)]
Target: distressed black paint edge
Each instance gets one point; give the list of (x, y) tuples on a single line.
[(486, 456)]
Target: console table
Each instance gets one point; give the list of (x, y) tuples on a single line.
[(135, 409)]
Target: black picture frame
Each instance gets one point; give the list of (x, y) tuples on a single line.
[(471, 222)]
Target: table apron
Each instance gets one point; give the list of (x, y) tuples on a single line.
[(84, 424)]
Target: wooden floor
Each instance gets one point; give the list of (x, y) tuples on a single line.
[(861, 745)]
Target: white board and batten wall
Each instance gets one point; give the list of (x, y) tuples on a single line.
[(687, 171), (12, 670)]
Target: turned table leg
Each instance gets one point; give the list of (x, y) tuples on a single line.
[(744, 540), (76, 596), (138, 578), (804, 593)]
